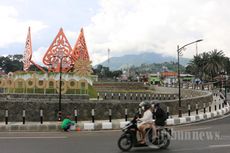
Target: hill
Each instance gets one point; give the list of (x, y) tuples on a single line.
[(138, 59)]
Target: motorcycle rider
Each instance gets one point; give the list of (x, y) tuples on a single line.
[(146, 120)]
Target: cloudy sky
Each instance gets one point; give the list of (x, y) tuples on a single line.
[(124, 26)]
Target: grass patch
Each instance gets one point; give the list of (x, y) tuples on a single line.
[(92, 92)]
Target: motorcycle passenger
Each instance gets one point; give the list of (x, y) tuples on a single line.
[(146, 120), (159, 115)]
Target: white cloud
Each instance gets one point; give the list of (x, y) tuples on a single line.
[(13, 30), (134, 26), (71, 35), (39, 54)]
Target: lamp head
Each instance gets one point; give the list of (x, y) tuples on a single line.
[(199, 40)]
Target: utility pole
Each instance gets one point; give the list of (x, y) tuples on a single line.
[(196, 49), (108, 56)]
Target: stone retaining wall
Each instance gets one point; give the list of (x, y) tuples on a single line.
[(84, 107)]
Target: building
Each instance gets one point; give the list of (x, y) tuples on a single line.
[(169, 77), (154, 79), (187, 77)]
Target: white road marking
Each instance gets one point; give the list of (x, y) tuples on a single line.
[(189, 149), (219, 146), (201, 148), (100, 131), (32, 138), (196, 129), (52, 132)]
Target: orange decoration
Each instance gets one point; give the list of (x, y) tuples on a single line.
[(27, 61), (59, 54), (80, 49), (28, 52)]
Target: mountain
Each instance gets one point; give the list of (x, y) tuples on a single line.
[(116, 63)]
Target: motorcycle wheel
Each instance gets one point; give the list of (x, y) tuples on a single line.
[(165, 142), (125, 143)]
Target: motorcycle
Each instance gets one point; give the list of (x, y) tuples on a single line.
[(129, 137)]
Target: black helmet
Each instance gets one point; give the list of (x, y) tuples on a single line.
[(155, 104), (145, 105)]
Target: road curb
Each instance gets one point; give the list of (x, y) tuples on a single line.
[(171, 121), (106, 125)]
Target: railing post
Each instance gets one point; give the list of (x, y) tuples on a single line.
[(98, 96), (110, 115), (41, 116), (23, 116), (105, 96), (204, 106), (210, 108), (75, 115), (189, 110), (126, 114), (131, 96), (93, 113), (6, 116), (125, 96), (168, 112), (112, 96), (196, 109)]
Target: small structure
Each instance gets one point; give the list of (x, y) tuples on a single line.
[(187, 77), (154, 79), (169, 77)]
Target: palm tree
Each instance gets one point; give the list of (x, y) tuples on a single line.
[(205, 59), (215, 63), (207, 65), (196, 66), (227, 65)]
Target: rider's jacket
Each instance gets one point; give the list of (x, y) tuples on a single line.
[(160, 117), (147, 117)]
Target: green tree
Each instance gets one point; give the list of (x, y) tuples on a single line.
[(11, 63), (207, 65), (215, 63)]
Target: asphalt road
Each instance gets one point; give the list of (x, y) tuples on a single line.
[(205, 137)]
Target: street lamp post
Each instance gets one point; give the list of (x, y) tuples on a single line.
[(179, 53), (225, 89), (60, 86)]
